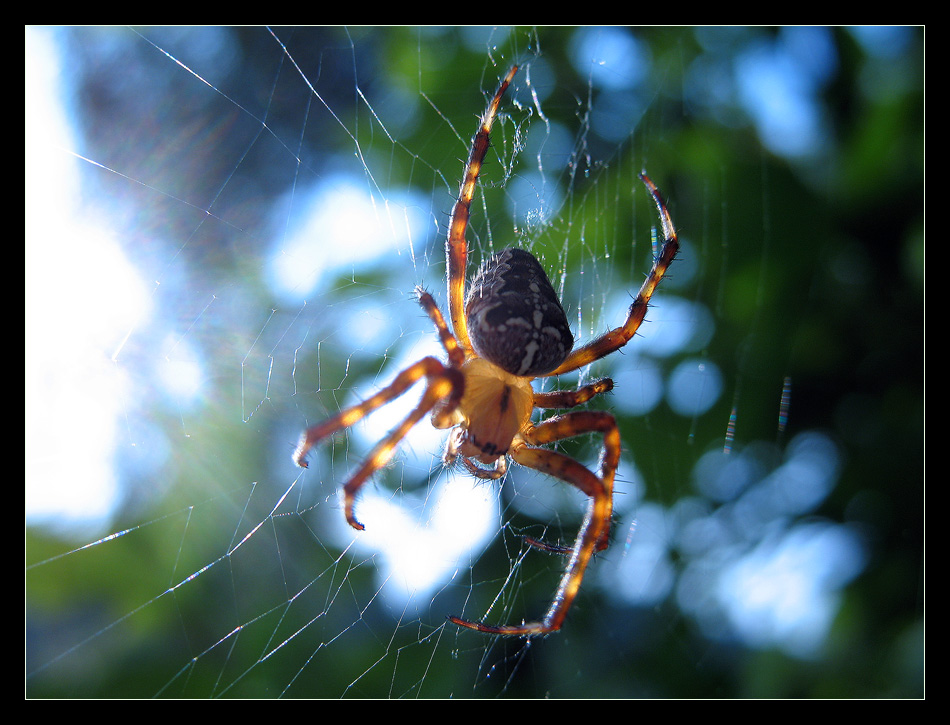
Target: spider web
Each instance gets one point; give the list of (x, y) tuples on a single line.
[(255, 207)]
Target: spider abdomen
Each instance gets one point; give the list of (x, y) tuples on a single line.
[(515, 319)]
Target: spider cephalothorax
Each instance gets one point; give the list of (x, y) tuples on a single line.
[(507, 331)]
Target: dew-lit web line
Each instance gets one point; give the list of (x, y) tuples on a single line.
[(207, 211), (133, 612), (230, 635), (175, 587), (262, 122), (284, 608), (108, 538), (353, 134)]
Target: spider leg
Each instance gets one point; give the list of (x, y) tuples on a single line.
[(570, 425), (572, 398), (451, 345), (456, 247), (618, 337), (566, 399), (444, 383), (500, 468), (592, 536), (440, 387), (424, 368)]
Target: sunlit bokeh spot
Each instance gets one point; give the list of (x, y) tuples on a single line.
[(421, 539), (694, 387), (83, 297), (338, 227)]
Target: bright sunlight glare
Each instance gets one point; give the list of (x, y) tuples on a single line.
[(421, 540), (82, 298)]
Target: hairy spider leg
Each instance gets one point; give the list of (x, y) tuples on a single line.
[(445, 383), (451, 345), (566, 399), (595, 529), (570, 425), (618, 337), (456, 246), (489, 474), (572, 398)]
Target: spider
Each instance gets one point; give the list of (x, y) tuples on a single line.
[(509, 329)]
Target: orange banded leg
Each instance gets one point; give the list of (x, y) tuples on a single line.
[(593, 533), (573, 424), (456, 247), (620, 336), (451, 345), (566, 399), (572, 398), (444, 382)]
